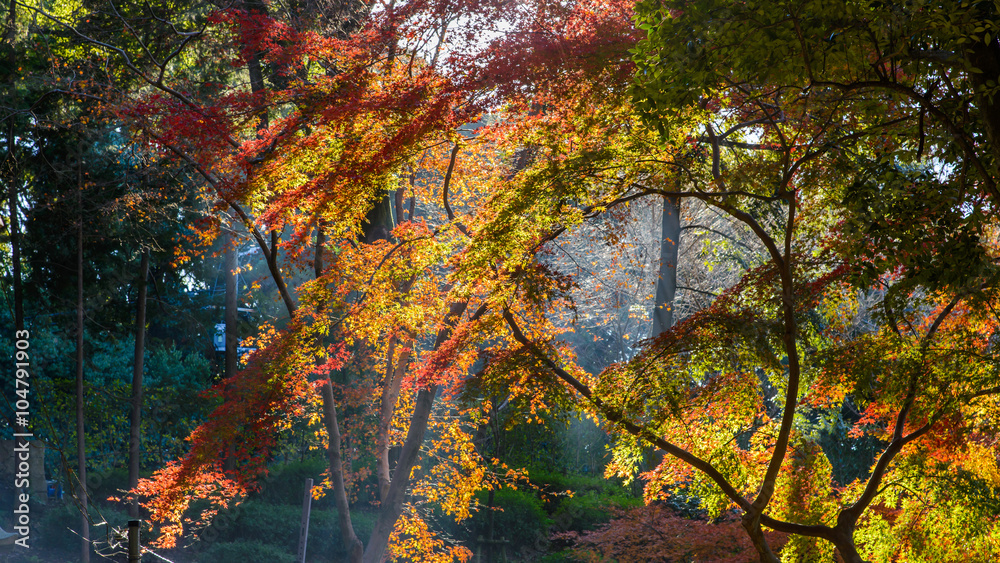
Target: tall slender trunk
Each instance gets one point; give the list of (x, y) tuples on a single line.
[(13, 183), (986, 58), (231, 303), (666, 283), (135, 433), (355, 548), (255, 68), (81, 437), (15, 229), (392, 506), (230, 320), (490, 522), (231, 263)]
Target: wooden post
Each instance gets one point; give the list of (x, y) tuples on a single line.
[(304, 530), (134, 555)]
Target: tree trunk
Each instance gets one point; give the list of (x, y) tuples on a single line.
[(489, 527), (14, 227), (347, 535), (135, 434), (398, 204), (391, 387), (378, 224), (81, 437), (790, 326), (392, 505), (751, 523), (355, 549), (255, 68), (230, 319), (379, 221), (843, 540), (14, 182), (232, 249), (666, 283), (232, 335)]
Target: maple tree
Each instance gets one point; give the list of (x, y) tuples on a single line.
[(307, 172), (782, 164)]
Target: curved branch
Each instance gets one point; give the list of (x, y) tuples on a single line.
[(590, 212), (721, 234), (701, 291), (270, 258), (810, 530), (447, 185), (617, 417), (850, 515), (447, 182)]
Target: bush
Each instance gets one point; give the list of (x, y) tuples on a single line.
[(57, 528), (324, 532), (555, 483), (583, 512), (593, 501), (272, 524), (285, 484), (277, 526), (245, 552), (518, 517), (637, 535), (564, 556)]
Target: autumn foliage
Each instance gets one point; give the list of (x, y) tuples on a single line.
[(414, 173), (655, 533)]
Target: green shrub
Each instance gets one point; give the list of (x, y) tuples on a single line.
[(583, 512), (285, 484), (57, 528), (553, 486), (277, 526), (564, 556), (324, 533), (245, 552), (518, 517), (273, 524)]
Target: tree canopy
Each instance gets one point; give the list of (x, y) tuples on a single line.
[(447, 213)]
